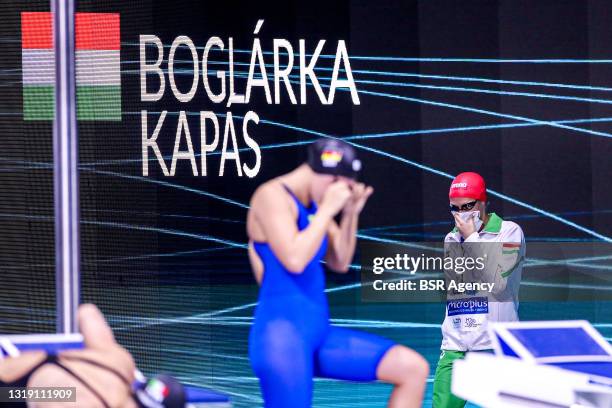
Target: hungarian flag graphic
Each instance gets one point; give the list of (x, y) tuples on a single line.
[(98, 70)]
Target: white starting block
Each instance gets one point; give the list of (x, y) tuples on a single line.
[(538, 364), (12, 346)]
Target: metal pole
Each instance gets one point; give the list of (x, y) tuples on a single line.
[(65, 170)]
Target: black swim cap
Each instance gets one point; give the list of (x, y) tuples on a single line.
[(335, 157)]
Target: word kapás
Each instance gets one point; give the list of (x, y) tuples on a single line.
[(220, 87)]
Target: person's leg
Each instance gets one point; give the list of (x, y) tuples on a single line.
[(442, 395), (360, 356), (282, 359), (407, 370)]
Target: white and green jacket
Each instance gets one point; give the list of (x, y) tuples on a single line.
[(468, 313)]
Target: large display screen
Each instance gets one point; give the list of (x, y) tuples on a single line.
[(186, 107)]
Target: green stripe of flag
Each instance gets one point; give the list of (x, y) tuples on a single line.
[(511, 251), (99, 102), (38, 102), (93, 102)]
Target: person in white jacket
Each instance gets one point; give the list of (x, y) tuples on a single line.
[(498, 248)]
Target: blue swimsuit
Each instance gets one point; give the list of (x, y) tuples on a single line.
[(291, 340)]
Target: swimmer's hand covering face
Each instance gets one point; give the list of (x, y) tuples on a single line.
[(335, 198), (360, 193), (470, 216)]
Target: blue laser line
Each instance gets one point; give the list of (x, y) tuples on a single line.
[(492, 192), (354, 137), (386, 73), (422, 59), (394, 157), (243, 74), (137, 227)]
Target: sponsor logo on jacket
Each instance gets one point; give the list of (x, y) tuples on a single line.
[(475, 305)]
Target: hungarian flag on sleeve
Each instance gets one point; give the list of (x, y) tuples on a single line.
[(98, 69)]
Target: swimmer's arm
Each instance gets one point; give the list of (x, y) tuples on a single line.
[(344, 238), (342, 241), (292, 247)]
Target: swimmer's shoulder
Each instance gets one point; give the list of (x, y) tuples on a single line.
[(268, 194), (268, 198)]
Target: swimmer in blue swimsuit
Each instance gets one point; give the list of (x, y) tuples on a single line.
[(291, 230)]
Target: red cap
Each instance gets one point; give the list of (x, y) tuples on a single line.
[(470, 185)]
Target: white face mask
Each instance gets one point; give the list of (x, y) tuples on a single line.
[(475, 215)]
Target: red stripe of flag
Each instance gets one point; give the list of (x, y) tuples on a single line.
[(97, 31), (36, 30), (509, 245), (94, 31)]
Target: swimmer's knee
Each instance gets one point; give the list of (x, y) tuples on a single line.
[(412, 363), (402, 364)]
